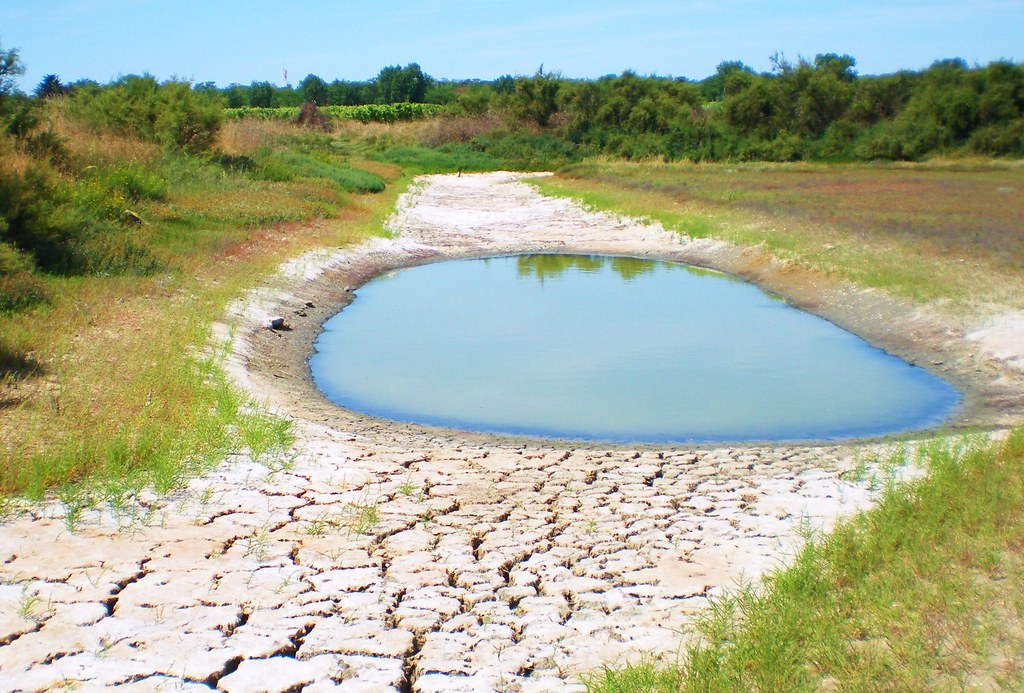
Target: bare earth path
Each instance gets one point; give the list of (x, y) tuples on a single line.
[(384, 557)]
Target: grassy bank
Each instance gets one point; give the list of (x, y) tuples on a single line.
[(109, 377), (941, 231)]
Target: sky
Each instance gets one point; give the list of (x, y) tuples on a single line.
[(245, 41)]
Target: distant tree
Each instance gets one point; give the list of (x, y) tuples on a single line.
[(10, 67), (475, 99), (396, 84), (536, 98), (261, 94), (839, 65), (313, 89), (445, 92), (504, 85), (285, 96), (236, 96), (1002, 97), (341, 93), (752, 109), (49, 87), (715, 87)]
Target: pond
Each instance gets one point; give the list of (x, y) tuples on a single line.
[(611, 349)]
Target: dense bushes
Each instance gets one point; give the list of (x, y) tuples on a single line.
[(71, 215), (172, 114), (810, 110)]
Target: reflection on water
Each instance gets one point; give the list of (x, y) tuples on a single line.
[(551, 266), (611, 349)]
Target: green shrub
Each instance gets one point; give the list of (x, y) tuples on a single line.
[(529, 152), (25, 208), (171, 114), (134, 183), (19, 291), (1006, 139), (18, 287), (448, 158)]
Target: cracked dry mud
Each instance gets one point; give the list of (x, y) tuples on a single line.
[(389, 557)]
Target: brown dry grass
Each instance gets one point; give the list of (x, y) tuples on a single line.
[(92, 148), (247, 137), (437, 132)]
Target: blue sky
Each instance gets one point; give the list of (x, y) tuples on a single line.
[(227, 41)]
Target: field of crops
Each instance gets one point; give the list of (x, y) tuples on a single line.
[(367, 113)]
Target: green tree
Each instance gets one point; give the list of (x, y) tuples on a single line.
[(536, 98), (341, 93), (236, 96), (714, 88), (313, 89), (49, 87), (396, 84), (10, 68), (261, 94)]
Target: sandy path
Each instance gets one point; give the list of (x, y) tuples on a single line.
[(386, 557)]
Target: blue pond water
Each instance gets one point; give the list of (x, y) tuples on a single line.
[(611, 349)]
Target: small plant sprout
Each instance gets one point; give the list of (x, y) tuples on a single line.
[(256, 544), (28, 603), (364, 517), (407, 487), (318, 526), (285, 583), (75, 500)]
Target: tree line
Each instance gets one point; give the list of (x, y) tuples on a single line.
[(811, 109), (816, 108)]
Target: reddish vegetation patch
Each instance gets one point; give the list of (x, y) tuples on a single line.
[(979, 212)]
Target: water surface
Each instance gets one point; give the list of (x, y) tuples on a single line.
[(611, 349)]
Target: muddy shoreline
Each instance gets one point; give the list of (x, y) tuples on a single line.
[(276, 361)]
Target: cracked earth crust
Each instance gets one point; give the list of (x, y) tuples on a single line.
[(382, 557)]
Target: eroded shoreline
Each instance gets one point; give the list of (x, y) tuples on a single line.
[(381, 556)]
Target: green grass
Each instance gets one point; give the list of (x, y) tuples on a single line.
[(446, 159), (921, 592)]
